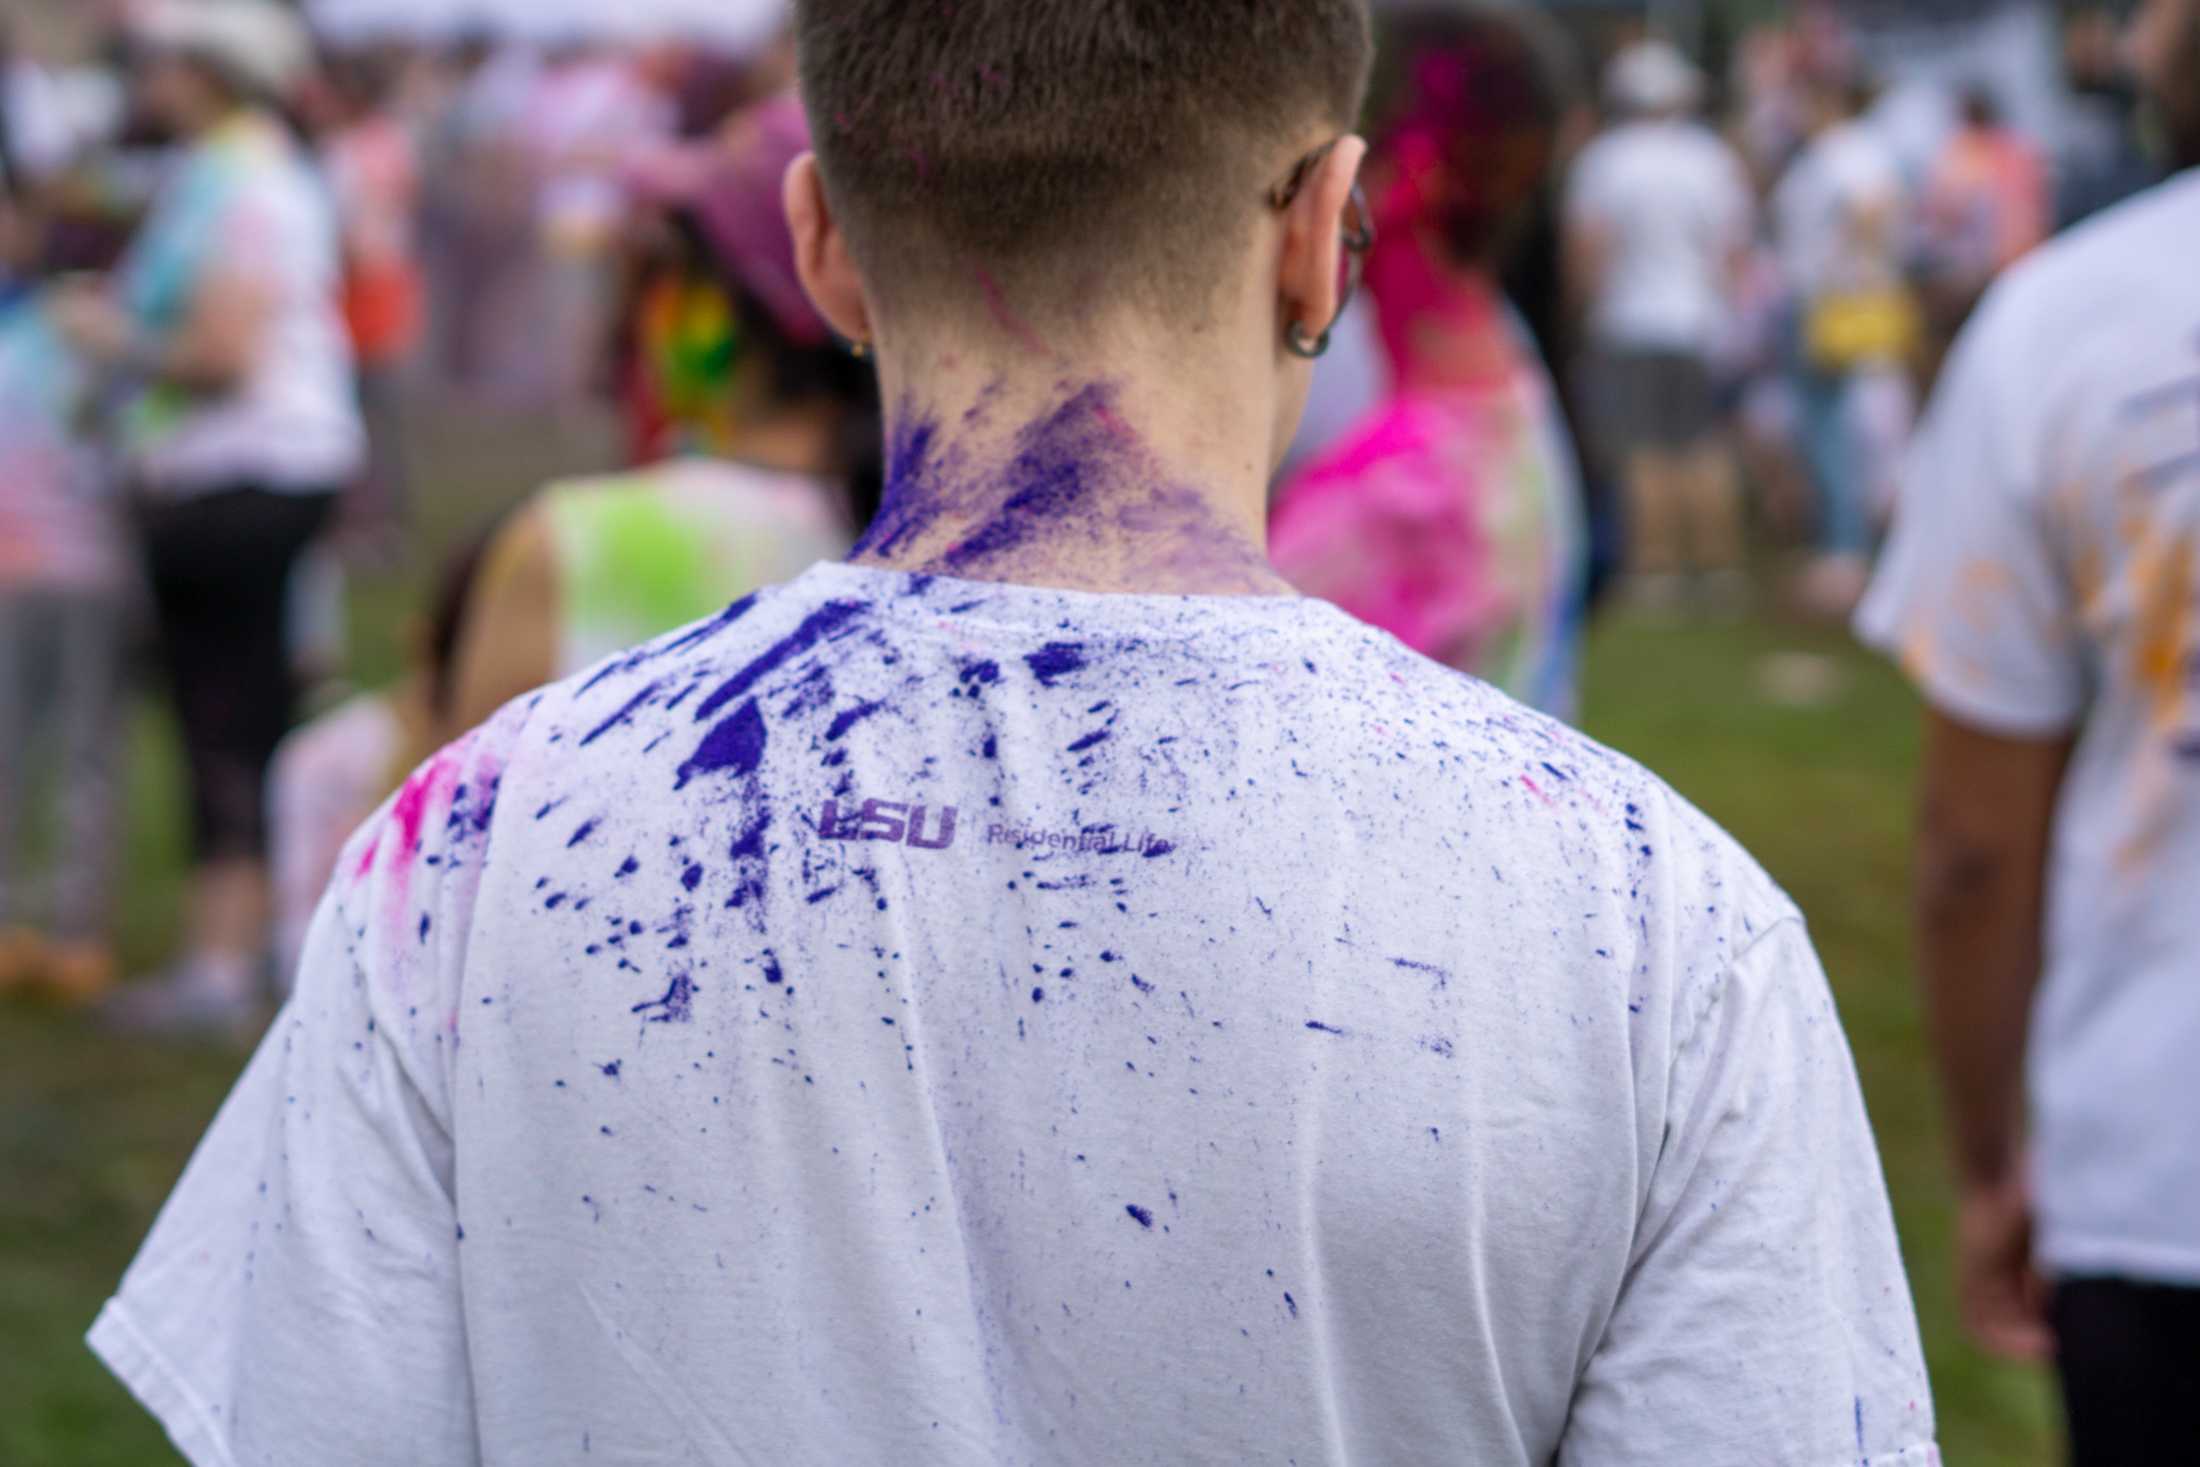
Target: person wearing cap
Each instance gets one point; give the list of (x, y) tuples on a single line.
[(232, 411), (1660, 219), (780, 474)]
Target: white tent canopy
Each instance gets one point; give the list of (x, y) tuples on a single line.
[(732, 25)]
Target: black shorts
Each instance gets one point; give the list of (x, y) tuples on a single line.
[(2129, 1355), (219, 566), (1651, 400)]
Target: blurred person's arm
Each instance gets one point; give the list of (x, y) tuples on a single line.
[(1974, 596), (1588, 262), (512, 638), (213, 351), (1588, 242), (1742, 225), (1872, 227), (1983, 847)]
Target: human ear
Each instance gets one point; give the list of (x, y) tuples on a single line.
[(1312, 282), (821, 254)]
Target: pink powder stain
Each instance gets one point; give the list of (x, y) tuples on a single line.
[(1388, 527), (1112, 422), (365, 868), (1536, 790), (427, 793), (431, 785), (997, 304)]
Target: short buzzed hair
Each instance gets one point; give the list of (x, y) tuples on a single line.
[(1067, 150)]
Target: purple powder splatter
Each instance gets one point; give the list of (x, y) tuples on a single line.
[(1056, 661), (1060, 461), (914, 496), (735, 746), (676, 1007), (1320, 1028), (822, 623), (850, 718), (1441, 975), (1140, 1215), (1078, 468), (616, 720), (695, 637), (699, 635), (751, 865)]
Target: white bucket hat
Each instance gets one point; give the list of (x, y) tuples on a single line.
[(260, 46), (1653, 76)]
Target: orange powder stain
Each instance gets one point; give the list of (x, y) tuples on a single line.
[(2164, 573), (2164, 644)]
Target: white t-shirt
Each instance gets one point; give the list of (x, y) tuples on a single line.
[(913, 1021), (1673, 202), (246, 201), (2045, 580), (1840, 179)]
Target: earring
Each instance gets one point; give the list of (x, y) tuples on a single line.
[(860, 350), (1296, 341)]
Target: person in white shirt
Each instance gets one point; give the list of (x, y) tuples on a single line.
[(1660, 218), (2043, 588), (1841, 227), (1039, 992), (233, 413)]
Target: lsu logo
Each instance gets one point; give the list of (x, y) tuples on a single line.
[(886, 820)]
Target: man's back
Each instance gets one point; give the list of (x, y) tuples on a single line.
[(909, 1020), (2046, 582), (1673, 202)]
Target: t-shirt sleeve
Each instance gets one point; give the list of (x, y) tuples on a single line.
[(298, 1299), (1588, 189), (1738, 205), (1765, 1320), (1972, 594)]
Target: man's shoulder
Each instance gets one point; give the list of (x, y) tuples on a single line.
[(428, 843), (1596, 808), (2118, 258)]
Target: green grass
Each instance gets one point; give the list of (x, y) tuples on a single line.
[(93, 1131)]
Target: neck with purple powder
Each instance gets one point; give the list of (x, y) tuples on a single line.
[(1071, 481)]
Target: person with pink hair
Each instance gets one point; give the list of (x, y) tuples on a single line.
[(1451, 516)]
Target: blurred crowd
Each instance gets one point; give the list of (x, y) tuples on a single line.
[(1632, 328)]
